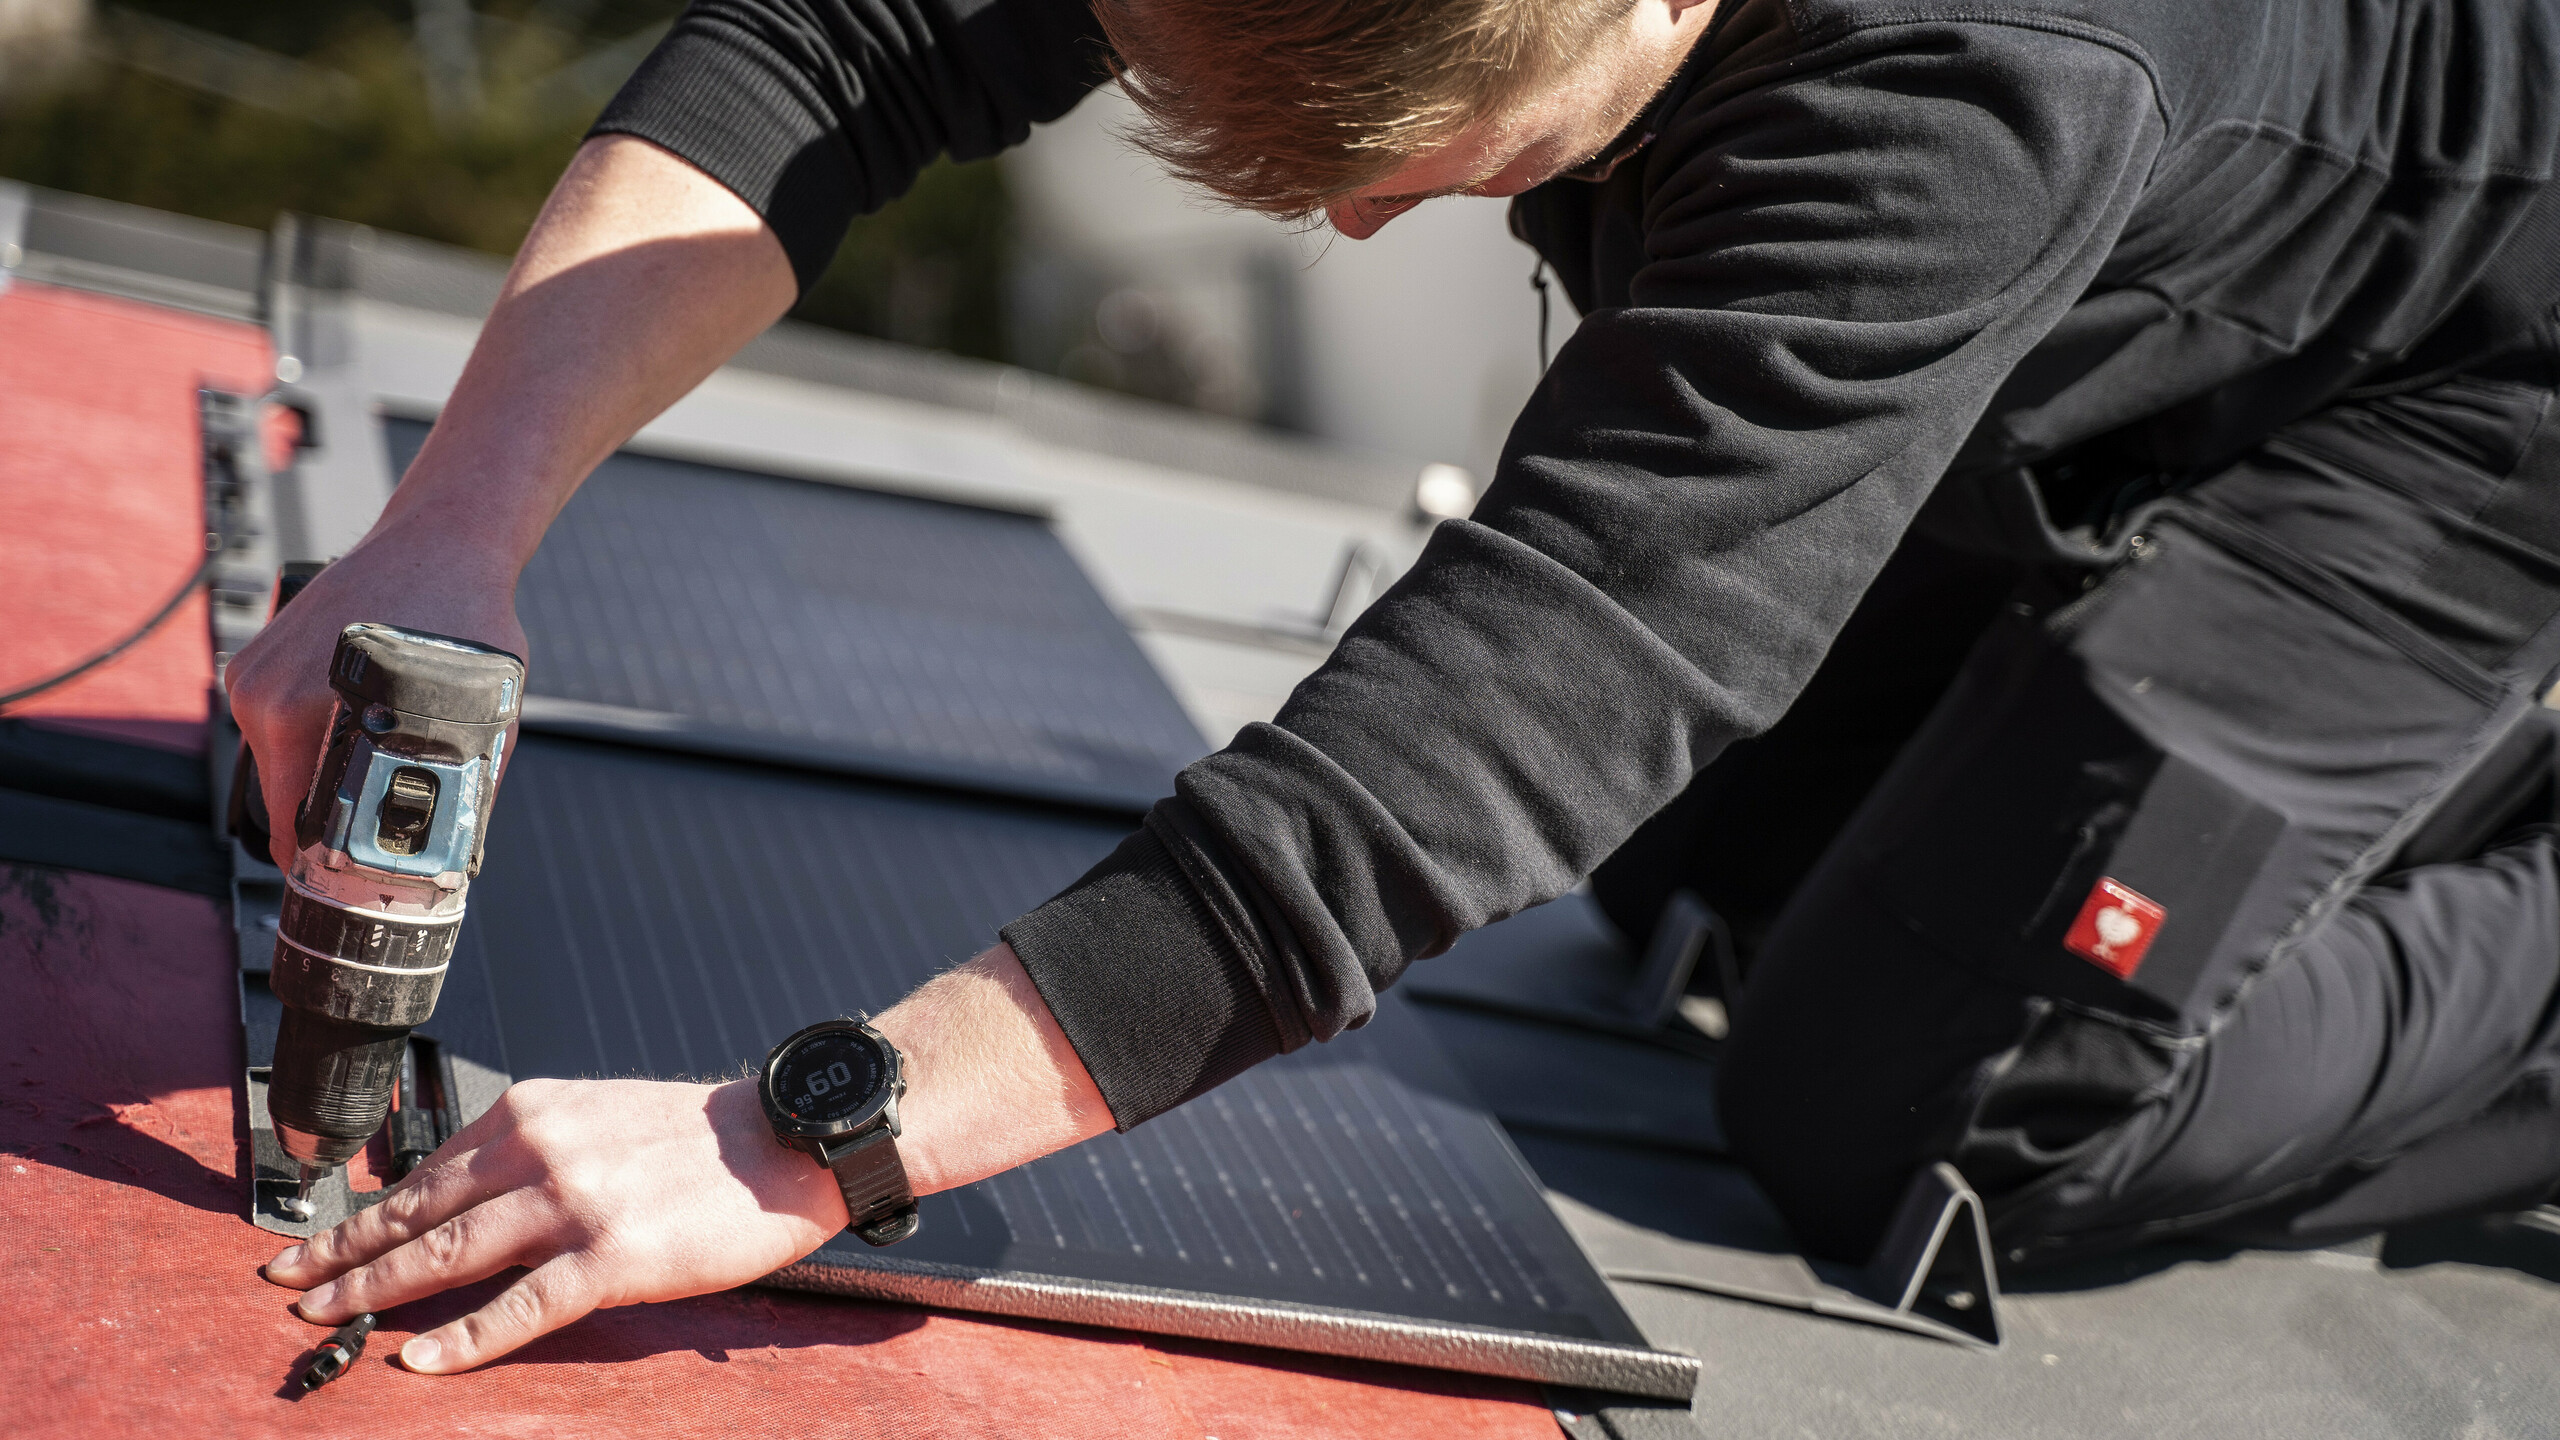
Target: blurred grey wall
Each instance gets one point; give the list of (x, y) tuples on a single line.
[(1421, 341)]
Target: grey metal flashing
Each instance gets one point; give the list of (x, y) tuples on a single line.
[(141, 254), (423, 275), (14, 199), (342, 479), (1077, 417), (394, 410), (840, 1269), (446, 280)]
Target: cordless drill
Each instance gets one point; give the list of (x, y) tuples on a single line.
[(386, 843)]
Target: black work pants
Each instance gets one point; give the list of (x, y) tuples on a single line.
[(2155, 893)]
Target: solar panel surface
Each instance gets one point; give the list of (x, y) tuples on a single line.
[(665, 915), (700, 607)]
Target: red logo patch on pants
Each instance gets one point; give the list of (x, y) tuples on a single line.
[(2115, 927)]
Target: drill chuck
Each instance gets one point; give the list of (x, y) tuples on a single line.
[(387, 842)]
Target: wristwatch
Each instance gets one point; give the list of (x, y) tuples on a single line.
[(832, 1092)]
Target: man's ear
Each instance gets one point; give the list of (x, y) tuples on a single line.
[(1681, 8)]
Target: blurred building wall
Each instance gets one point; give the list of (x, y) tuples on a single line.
[(1421, 341), (39, 40)]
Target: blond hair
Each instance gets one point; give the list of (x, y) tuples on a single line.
[(1283, 106)]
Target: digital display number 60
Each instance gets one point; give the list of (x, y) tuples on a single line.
[(835, 1077)]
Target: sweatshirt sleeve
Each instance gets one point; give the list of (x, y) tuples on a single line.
[(1846, 250), (816, 111)]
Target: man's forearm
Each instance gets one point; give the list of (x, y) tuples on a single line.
[(991, 1079), (641, 277)]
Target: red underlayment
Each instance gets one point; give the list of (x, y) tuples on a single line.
[(134, 1306), (127, 1273), (102, 503)]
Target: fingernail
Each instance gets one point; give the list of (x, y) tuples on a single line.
[(289, 1258), (318, 1297), (421, 1353)]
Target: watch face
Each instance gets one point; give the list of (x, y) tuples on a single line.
[(828, 1077)]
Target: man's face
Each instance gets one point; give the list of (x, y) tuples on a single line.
[(1552, 131)]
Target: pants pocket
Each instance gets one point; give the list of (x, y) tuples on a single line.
[(2131, 803)]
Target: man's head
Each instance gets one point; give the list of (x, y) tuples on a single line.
[(1361, 109)]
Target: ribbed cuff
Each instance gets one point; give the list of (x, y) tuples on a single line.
[(1160, 999), (716, 98)]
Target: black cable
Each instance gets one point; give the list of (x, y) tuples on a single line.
[(1537, 282), (121, 646)]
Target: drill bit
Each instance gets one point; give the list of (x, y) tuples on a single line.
[(298, 1205), (344, 1345)]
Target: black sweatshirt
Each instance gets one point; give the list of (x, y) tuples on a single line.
[(1867, 249)]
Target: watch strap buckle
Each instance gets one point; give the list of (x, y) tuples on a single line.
[(892, 1227), (877, 1197)]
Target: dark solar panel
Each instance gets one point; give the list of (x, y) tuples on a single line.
[(699, 607), (660, 914)]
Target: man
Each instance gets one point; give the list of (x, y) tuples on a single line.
[(2098, 451)]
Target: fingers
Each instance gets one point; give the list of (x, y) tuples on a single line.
[(473, 1245), (447, 1186), (279, 681), (282, 800), (556, 1293), (286, 733), (605, 1187)]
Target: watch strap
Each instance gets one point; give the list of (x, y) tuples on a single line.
[(874, 1181)]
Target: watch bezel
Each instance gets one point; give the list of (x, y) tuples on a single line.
[(881, 1106)]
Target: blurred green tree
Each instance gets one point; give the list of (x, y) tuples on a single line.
[(443, 120)]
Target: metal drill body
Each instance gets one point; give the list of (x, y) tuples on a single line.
[(387, 841)]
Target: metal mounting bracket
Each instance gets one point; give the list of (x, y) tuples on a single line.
[(1935, 1261), (1932, 1275)]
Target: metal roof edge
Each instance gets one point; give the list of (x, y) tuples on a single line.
[(449, 280), (138, 253)]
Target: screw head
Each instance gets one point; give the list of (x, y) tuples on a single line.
[(379, 719)]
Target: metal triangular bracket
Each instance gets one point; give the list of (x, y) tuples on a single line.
[(1689, 931), (1935, 1262)]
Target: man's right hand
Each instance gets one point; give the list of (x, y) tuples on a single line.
[(279, 682)]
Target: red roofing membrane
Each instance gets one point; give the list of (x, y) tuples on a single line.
[(132, 1298), (102, 503)]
